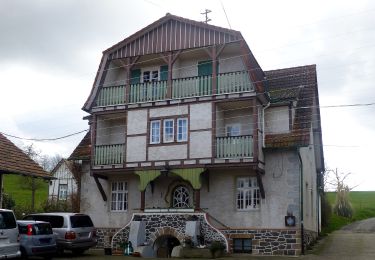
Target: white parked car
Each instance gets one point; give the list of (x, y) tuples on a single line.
[(9, 246)]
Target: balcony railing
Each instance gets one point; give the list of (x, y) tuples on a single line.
[(192, 87), (110, 96), (109, 154), (234, 146), (234, 82), (150, 91), (231, 82)]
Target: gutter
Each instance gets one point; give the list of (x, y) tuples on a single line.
[(301, 201)]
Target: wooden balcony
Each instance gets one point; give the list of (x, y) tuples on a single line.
[(232, 82), (109, 154), (234, 147)]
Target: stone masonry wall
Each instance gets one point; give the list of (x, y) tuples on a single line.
[(269, 242)]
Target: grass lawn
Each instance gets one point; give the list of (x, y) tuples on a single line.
[(363, 203), (13, 185)]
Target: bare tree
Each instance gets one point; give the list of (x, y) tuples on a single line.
[(45, 161), (342, 205)]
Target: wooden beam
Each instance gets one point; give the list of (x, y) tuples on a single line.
[(100, 187), (260, 183)]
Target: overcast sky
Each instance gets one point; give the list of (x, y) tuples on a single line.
[(50, 51)]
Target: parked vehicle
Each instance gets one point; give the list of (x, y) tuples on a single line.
[(74, 231), (9, 246), (36, 239)]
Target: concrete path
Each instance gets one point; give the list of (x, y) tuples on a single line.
[(355, 241)]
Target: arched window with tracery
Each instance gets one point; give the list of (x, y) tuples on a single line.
[(181, 197)]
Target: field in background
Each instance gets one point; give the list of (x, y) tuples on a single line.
[(22, 196), (363, 203)]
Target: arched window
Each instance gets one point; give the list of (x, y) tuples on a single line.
[(181, 197)]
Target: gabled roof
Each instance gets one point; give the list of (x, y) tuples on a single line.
[(14, 161), (172, 33), (83, 150), (293, 84), (72, 167)]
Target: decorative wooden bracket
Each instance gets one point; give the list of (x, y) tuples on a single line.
[(100, 187), (260, 183)]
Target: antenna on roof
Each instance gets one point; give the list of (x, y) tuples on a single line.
[(206, 12)]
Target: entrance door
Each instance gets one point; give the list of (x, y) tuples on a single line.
[(164, 245)]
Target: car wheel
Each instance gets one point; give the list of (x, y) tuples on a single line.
[(78, 251)]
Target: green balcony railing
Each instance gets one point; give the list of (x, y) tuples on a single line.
[(234, 146), (109, 154), (110, 96), (231, 82), (150, 91), (192, 87), (234, 82)]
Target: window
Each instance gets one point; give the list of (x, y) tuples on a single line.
[(233, 130), (181, 197), (181, 129), (168, 131), (63, 191), (119, 196), (242, 245), (248, 195), (150, 76), (155, 132)]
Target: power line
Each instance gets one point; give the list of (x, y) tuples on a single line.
[(44, 139)]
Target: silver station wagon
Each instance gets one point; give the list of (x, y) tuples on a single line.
[(36, 239), (9, 246), (74, 231)]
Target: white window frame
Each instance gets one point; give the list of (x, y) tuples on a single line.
[(247, 194), (183, 132), (229, 127), (63, 193), (170, 138), (155, 139), (119, 196)]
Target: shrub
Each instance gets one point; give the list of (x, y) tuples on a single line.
[(8, 201), (326, 211), (342, 206), (216, 249)]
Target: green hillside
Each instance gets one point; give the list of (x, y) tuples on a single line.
[(14, 185), (363, 203)]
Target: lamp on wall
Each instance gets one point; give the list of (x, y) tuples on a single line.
[(290, 220)]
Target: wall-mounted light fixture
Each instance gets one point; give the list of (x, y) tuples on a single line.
[(290, 220)]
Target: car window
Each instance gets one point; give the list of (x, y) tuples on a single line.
[(7, 220), (42, 229), (55, 221), (81, 221)]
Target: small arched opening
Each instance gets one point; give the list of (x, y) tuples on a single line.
[(164, 245)]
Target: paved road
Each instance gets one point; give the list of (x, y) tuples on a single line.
[(355, 241)]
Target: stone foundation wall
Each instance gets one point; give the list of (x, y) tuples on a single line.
[(169, 224), (309, 238), (104, 236), (268, 242)]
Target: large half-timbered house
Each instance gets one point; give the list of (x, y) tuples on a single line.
[(190, 138)]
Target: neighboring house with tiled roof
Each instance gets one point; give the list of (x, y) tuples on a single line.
[(189, 137), (65, 183), (14, 161)]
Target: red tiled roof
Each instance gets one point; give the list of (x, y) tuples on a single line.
[(298, 84), (83, 150), (14, 161)]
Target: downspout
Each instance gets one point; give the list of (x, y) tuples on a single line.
[(301, 202)]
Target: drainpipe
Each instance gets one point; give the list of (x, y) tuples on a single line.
[(301, 202)]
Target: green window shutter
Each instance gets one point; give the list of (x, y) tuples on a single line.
[(135, 76), (205, 68), (164, 72)]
